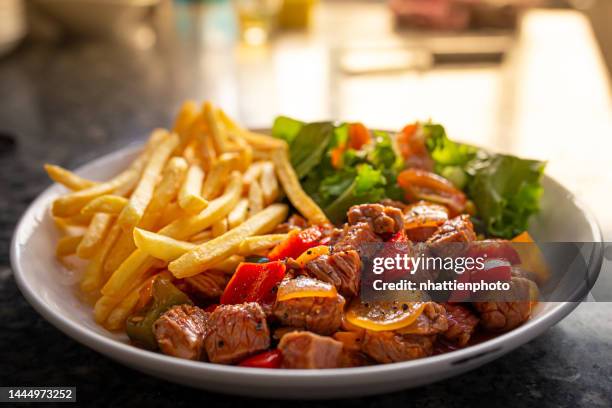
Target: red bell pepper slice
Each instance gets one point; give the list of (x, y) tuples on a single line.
[(267, 359), (296, 244), (253, 282)]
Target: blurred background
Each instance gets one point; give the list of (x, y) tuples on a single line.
[(529, 77)]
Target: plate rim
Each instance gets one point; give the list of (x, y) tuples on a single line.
[(126, 353)]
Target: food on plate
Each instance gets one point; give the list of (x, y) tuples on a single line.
[(229, 246)]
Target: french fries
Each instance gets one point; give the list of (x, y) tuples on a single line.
[(189, 198), (256, 199), (184, 120), (133, 211), (257, 244), (68, 178), (300, 200), (269, 184), (256, 140), (218, 174), (93, 277), (201, 237), (238, 213), (196, 201), (215, 127), (165, 192), (211, 252), (160, 246), (71, 204), (189, 225), (252, 174), (67, 245), (100, 224), (109, 204), (219, 227)]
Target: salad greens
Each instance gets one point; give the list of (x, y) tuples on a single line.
[(366, 175), (505, 189)]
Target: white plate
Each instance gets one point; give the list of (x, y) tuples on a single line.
[(50, 290)]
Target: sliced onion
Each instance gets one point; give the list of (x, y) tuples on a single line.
[(383, 316), (303, 286)]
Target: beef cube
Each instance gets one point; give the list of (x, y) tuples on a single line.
[(391, 347), (511, 310), (308, 350), (180, 331), (318, 314), (451, 238), (236, 331), (209, 284), (433, 320), (341, 269), (384, 220), (461, 324)]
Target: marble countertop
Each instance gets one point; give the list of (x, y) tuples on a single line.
[(67, 102)]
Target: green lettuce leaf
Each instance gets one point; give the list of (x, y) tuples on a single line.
[(366, 185), (505, 189), (286, 128)]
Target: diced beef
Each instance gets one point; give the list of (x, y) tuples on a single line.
[(450, 237), (511, 310), (461, 324), (341, 269), (384, 220), (308, 350), (321, 315), (432, 321), (422, 219), (391, 347), (358, 237), (180, 331), (294, 222), (393, 203), (208, 284), (350, 358), (236, 331)]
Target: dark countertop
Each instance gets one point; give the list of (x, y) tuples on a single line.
[(67, 103)]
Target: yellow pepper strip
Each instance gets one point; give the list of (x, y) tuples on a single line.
[(311, 254)]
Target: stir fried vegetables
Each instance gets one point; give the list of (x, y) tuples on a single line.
[(254, 282), (163, 296), (383, 316), (340, 165), (505, 189), (296, 244), (303, 287), (423, 185), (267, 359)]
